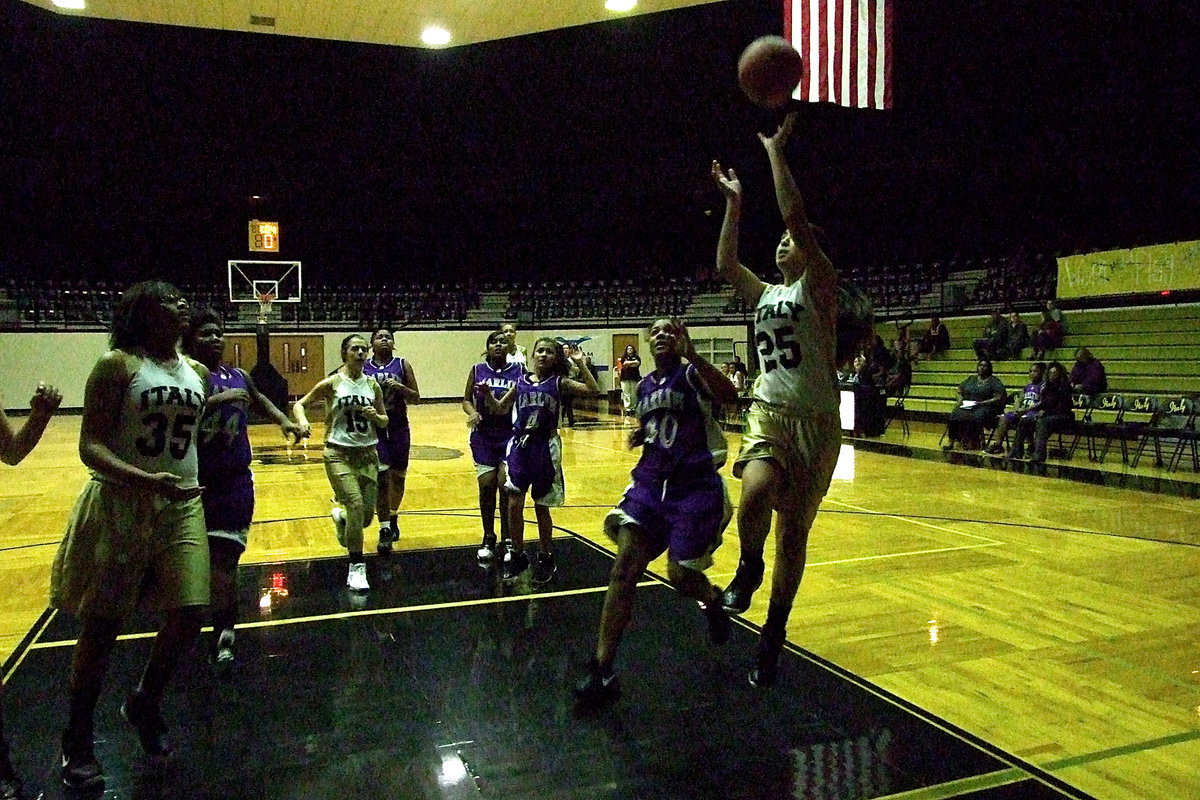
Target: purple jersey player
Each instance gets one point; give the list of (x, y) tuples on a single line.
[(534, 455), (395, 375), (490, 431), (676, 501), (223, 449)]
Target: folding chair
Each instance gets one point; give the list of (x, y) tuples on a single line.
[(1172, 419), (1081, 404), (1109, 402), (897, 411)]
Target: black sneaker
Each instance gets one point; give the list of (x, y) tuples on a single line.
[(766, 666), (543, 567), (719, 627), (596, 688), (487, 550), (741, 589), (145, 719), (515, 565), (80, 769)]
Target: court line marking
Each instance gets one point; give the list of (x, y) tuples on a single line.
[(369, 612), (910, 520), (879, 557), (32, 643), (955, 788), (1031, 771)]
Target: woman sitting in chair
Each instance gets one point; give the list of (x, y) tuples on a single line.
[(981, 398)]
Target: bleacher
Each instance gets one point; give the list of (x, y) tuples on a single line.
[(1150, 355)]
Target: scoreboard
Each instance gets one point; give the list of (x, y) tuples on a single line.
[(264, 237)]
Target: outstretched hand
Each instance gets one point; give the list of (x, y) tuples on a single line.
[(294, 430), (781, 135), (45, 399), (728, 183)]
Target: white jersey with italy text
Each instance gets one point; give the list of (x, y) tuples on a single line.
[(158, 427), (345, 424), (796, 345)]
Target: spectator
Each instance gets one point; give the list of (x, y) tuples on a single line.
[(1049, 335), (935, 340), (1018, 334), (1087, 376), (899, 378), (994, 342), (739, 367), (981, 398), (1009, 420), (880, 360), (1051, 413), (1056, 315), (902, 345)]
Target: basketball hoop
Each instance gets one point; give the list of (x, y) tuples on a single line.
[(264, 305)]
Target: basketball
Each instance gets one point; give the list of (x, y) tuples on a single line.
[(769, 71)]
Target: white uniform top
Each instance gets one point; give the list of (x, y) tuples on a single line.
[(517, 357), (796, 349), (158, 421), (345, 424)]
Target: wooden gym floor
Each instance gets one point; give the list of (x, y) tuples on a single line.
[(1041, 631)]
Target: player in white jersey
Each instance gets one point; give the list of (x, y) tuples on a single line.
[(792, 435), (353, 410), (137, 529), (14, 446)]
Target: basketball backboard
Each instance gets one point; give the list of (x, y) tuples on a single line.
[(250, 281)]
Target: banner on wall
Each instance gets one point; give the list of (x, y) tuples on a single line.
[(1138, 270)]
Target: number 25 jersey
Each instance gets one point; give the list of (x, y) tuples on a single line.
[(795, 341)]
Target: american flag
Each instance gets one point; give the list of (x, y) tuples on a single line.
[(847, 50)]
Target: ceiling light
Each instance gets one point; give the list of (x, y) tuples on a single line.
[(620, 5), (435, 36), (75, 5)]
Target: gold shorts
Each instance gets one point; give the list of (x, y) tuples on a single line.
[(805, 446), (124, 544)]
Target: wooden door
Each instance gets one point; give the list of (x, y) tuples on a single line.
[(619, 342), (299, 358)]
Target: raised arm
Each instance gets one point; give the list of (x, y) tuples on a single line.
[(745, 283), (812, 260), (716, 383), (14, 446), (582, 388)]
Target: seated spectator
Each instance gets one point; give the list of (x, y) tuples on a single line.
[(740, 367), (981, 398), (1087, 376), (1048, 336), (1052, 412), (879, 360), (935, 340), (899, 378), (902, 345), (1018, 334), (1029, 399), (994, 342), (1055, 314)]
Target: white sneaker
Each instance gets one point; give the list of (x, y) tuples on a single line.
[(339, 522), (487, 549), (356, 579)]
